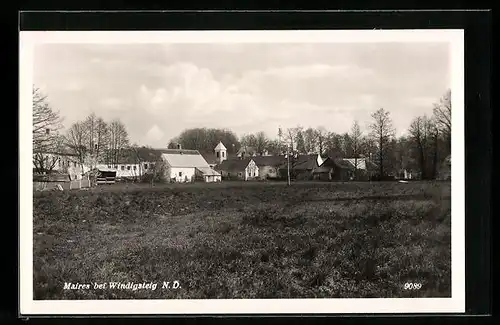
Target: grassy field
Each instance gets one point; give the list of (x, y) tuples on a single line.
[(245, 240)]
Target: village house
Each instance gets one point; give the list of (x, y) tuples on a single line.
[(301, 166), (333, 169), (62, 162), (363, 167), (187, 165), (239, 169), (269, 166), (246, 164), (248, 151), (132, 163)]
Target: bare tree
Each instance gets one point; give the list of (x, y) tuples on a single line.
[(332, 144), (300, 142), (96, 135), (46, 161), (248, 140), (310, 140), (280, 141), (46, 123), (321, 137), (422, 132), (356, 141), (291, 137), (90, 125), (101, 138), (261, 142), (382, 132), (156, 167), (273, 147), (76, 140), (435, 155), (117, 141), (442, 116)]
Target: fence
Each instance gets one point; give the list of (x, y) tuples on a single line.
[(105, 180), (65, 185), (78, 184)]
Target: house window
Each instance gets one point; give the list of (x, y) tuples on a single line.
[(223, 154), (180, 174), (128, 167), (145, 166), (218, 154), (47, 131), (135, 167), (123, 167)]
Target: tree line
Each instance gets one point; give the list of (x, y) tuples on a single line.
[(90, 141), (426, 144)]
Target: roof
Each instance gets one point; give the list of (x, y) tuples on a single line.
[(343, 163), (322, 169), (207, 171), (246, 149), (337, 163), (220, 146), (305, 162), (362, 163), (209, 157), (183, 158), (135, 155), (269, 160), (178, 151), (147, 154), (105, 169), (234, 164)]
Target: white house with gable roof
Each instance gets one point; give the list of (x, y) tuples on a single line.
[(187, 165)]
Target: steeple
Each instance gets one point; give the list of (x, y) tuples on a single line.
[(220, 152)]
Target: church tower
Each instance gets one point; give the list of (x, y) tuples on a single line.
[(220, 152)]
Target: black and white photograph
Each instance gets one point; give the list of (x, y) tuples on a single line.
[(242, 172)]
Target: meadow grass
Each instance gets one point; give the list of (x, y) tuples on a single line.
[(310, 240)]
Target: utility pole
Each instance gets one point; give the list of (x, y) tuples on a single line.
[(288, 164), (280, 133), (288, 153)]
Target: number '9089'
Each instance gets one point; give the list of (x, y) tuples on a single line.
[(412, 286)]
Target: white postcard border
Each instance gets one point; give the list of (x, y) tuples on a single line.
[(28, 306)]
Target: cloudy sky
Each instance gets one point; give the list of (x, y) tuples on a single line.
[(158, 90)]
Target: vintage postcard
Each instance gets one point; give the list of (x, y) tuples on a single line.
[(242, 172)]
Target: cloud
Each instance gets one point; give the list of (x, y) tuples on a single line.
[(154, 134), (112, 103), (246, 88), (73, 85), (192, 96)]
